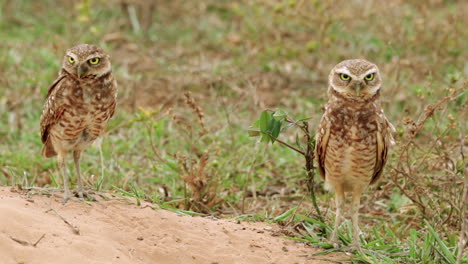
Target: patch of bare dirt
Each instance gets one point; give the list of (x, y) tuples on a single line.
[(40, 229)]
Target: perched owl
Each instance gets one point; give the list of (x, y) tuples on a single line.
[(353, 136), (78, 106)]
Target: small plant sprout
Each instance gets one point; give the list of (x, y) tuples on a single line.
[(271, 124)]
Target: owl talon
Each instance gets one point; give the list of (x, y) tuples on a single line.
[(66, 196), (354, 248), (79, 193), (336, 244), (65, 200), (88, 195)]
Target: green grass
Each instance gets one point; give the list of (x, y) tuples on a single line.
[(238, 58)]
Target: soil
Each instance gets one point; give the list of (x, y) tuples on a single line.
[(39, 229)]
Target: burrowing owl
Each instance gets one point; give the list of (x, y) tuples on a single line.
[(353, 136), (78, 105)]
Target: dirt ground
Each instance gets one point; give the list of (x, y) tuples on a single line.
[(39, 229)]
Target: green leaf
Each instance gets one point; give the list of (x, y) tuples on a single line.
[(426, 253), (253, 132), (275, 130), (413, 243), (304, 119), (288, 125), (447, 254), (391, 234), (256, 124), (286, 214), (311, 220), (280, 115), (265, 137), (264, 121)]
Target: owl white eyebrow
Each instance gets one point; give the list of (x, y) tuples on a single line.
[(345, 71), (71, 55), (92, 57), (368, 72)]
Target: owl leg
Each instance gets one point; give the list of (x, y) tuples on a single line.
[(339, 202), (77, 158), (63, 169), (355, 203)]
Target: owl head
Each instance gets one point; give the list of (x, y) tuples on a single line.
[(86, 61), (355, 79)]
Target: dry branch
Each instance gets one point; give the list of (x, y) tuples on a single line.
[(75, 229)]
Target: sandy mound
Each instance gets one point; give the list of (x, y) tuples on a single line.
[(33, 230)]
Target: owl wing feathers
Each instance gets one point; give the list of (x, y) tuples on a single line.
[(321, 144), (51, 113), (54, 84), (112, 107), (384, 141)]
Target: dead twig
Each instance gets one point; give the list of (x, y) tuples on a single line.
[(39, 240), (19, 241), (27, 243), (75, 229)]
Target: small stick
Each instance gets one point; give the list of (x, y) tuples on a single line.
[(76, 230), (19, 241), (39, 240), (27, 243)]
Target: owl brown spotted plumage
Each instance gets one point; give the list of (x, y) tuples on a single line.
[(78, 106), (353, 137)]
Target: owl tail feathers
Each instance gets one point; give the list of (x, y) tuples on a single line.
[(48, 150)]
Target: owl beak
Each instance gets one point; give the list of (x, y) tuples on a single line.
[(82, 70), (358, 88)]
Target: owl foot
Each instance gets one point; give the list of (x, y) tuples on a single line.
[(88, 195), (336, 244), (335, 241), (355, 247), (66, 196)]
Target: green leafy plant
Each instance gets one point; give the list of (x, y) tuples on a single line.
[(271, 124)]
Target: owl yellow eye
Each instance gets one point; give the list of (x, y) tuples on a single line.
[(345, 77), (71, 60), (369, 77), (94, 61)]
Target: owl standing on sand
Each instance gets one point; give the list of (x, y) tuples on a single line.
[(78, 106), (353, 137)]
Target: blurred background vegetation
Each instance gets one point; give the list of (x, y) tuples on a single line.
[(194, 75)]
